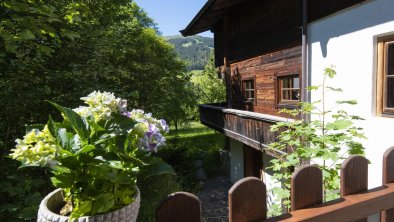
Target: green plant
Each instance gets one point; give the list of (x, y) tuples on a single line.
[(325, 140), (96, 153), (21, 191)]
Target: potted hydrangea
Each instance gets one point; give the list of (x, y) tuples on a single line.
[(94, 155)]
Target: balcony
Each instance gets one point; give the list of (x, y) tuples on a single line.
[(250, 128)]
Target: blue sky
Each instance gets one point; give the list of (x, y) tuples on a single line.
[(172, 15)]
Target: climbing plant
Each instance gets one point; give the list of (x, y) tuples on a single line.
[(325, 140)]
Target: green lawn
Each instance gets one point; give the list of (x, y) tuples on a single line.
[(192, 141)]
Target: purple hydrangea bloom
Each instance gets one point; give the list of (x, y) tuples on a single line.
[(127, 114), (152, 139), (164, 126)]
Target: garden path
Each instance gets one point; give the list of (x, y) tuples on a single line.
[(214, 199)]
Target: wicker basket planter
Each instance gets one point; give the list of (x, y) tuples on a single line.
[(54, 200)]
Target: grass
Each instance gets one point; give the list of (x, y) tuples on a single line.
[(191, 142)]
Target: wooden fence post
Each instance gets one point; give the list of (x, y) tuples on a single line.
[(179, 207), (388, 177), (306, 187), (247, 200), (354, 177)]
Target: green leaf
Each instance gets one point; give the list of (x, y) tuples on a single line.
[(330, 72), (27, 35), (116, 164), (63, 137), (62, 181), (52, 127), (74, 119), (158, 167), (86, 149), (339, 124), (103, 203), (70, 162), (334, 89), (54, 19), (71, 35), (350, 102), (75, 143), (310, 88), (85, 207)]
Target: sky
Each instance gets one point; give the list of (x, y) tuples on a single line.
[(171, 16)]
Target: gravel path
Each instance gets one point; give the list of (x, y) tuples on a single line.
[(214, 198)]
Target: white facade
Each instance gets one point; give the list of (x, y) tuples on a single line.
[(236, 161), (348, 40)]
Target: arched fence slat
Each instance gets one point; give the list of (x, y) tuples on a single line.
[(247, 200), (179, 207), (354, 177), (388, 177), (307, 187), (247, 197)]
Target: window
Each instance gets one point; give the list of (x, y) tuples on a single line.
[(248, 90), (288, 90), (385, 74)]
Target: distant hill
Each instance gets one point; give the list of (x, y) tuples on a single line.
[(194, 49)]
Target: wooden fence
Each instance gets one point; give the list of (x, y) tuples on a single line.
[(247, 197)]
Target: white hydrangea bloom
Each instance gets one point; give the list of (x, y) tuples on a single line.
[(36, 148), (102, 105)]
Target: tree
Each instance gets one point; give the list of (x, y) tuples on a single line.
[(209, 88), (325, 141)]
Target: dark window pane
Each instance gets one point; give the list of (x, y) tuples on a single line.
[(295, 94), (390, 93), (286, 83), (286, 95), (390, 59)]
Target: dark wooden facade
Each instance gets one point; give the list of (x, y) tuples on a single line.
[(258, 41), (264, 70), (251, 31)]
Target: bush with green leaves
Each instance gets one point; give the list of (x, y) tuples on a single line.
[(96, 153), (325, 140)]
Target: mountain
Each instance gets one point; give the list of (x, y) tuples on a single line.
[(195, 49)]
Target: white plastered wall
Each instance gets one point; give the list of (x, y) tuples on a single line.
[(347, 40), (236, 160)]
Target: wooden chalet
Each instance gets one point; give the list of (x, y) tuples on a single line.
[(260, 50)]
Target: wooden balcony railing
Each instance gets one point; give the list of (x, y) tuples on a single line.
[(250, 128)]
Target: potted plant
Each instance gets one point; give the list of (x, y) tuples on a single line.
[(94, 155)]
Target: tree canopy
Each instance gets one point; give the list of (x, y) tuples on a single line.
[(63, 50)]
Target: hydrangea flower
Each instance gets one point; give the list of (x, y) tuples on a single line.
[(101, 105), (36, 148), (164, 126), (152, 139)]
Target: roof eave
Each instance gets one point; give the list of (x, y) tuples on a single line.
[(188, 30)]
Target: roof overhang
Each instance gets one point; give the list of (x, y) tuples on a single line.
[(209, 15), (214, 10)]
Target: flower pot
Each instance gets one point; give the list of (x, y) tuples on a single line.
[(55, 201)]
